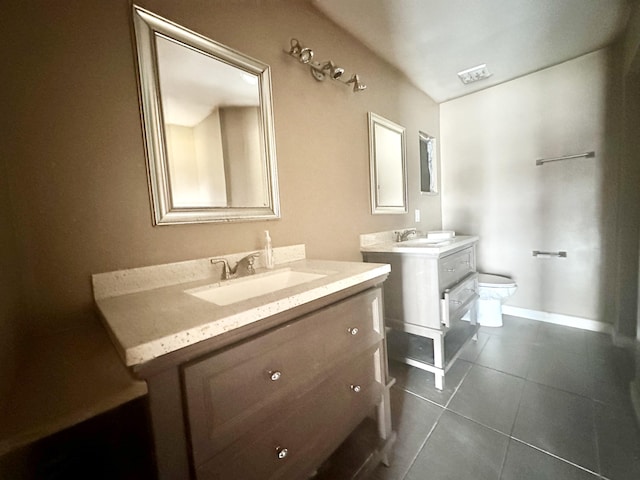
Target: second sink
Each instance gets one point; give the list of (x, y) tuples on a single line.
[(424, 242)]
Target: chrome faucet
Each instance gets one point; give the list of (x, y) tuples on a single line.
[(242, 268), (405, 234)]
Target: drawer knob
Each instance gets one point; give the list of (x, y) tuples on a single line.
[(456, 302), (353, 330), (275, 375), (356, 388), (282, 452), (450, 270)]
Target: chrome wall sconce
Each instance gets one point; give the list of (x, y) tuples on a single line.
[(321, 71)]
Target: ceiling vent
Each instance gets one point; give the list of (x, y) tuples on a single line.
[(474, 74)]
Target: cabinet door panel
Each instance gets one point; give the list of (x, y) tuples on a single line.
[(229, 392), (455, 267), (297, 439), (460, 298)]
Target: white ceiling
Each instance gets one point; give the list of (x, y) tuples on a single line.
[(431, 40)]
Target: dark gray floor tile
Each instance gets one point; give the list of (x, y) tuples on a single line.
[(489, 397), (507, 355), (561, 369), (612, 368), (597, 339), (613, 393), (518, 329), (460, 449), (595, 434), (562, 338), (558, 422), (473, 348), (413, 418), (422, 383), (526, 463), (618, 443)]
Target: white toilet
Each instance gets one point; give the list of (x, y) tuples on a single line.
[(493, 291)]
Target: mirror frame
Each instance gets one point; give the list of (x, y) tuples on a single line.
[(147, 26), (377, 208), (428, 164)]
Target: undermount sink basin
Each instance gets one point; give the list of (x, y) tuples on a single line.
[(423, 242), (240, 289)]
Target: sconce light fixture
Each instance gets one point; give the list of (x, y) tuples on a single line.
[(321, 71)]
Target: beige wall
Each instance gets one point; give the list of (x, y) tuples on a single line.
[(492, 187), (76, 157), (243, 158), (208, 139), (9, 294)]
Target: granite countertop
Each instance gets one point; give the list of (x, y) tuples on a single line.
[(419, 246), (148, 323)]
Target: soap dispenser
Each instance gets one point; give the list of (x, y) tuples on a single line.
[(268, 251)]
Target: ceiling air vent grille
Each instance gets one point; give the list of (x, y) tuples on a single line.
[(474, 74)]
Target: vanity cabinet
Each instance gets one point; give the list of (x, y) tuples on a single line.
[(427, 293), (275, 404)]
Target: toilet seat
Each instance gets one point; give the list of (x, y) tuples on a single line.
[(495, 281)]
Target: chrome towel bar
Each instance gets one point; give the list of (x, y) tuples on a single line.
[(542, 161), (538, 253)]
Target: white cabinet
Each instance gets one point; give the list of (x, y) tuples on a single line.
[(427, 293)]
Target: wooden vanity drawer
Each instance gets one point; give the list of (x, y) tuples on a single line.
[(455, 267), (296, 440), (229, 392), (457, 300)]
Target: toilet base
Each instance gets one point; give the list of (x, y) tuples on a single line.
[(490, 312)]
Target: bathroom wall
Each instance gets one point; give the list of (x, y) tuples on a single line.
[(493, 188), (9, 293), (628, 320), (76, 166)]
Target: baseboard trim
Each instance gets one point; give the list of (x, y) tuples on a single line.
[(559, 319)]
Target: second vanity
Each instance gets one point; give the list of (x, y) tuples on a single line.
[(269, 381), (431, 286)]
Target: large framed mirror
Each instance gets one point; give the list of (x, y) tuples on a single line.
[(387, 165), (428, 164), (208, 126)]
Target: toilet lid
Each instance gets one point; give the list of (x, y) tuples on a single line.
[(488, 280)]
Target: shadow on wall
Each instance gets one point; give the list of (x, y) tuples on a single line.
[(114, 445), (621, 217)]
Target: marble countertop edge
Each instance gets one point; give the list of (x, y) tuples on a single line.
[(137, 346), (430, 250)]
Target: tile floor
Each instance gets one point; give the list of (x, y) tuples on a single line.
[(529, 400)]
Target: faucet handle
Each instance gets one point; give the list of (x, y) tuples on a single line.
[(250, 259)]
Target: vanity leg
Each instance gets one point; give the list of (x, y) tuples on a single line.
[(167, 421), (383, 408), (384, 424), (438, 360), (473, 319)]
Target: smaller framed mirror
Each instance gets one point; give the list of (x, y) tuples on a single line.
[(387, 165), (428, 164)]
